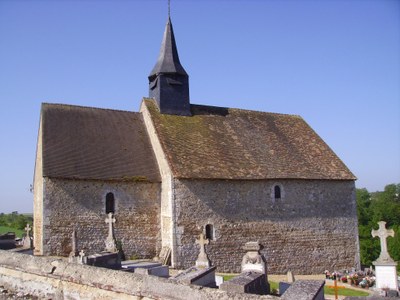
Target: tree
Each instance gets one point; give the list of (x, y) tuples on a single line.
[(372, 208)]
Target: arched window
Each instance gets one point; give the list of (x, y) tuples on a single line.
[(209, 232), (277, 192), (110, 203)]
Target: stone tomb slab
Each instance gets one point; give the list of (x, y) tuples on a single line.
[(247, 282), (305, 290), (132, 265), (159, 271), (109, 260), (197, 276)]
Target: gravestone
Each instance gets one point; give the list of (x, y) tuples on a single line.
[(305, 290), (132, 265), (110, 242), (27, 240), (197, 276), (290, 277), (165, 256), (246, 282), (202, 260), (160, 271), (109, 260), (7, 241), (283, 286), (81, 257), (145, 267), (385, 266), (74, 251), (253, 277), (201, 274), (252, 260)]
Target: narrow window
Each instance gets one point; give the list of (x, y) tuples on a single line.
[(209, 232), (277, 192), (110, 205)]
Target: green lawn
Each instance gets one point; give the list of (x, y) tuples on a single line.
[(5, 229), (327, 290), (345, 292)]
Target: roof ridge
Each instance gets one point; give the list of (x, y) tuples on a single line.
[(90, 107), (234, 108)]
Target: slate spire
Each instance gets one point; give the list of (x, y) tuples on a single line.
[(168, 81)]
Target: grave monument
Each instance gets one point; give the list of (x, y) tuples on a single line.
[(202, 273), (110, 242), (385, 266), (27, 241), (202, 260), (74, 252), (253, 277)]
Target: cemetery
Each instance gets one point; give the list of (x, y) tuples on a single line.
[(104, 275), (157, 204)]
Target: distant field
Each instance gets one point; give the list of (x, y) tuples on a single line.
[(5, 229)]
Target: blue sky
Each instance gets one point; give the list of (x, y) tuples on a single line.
[(335, 62)]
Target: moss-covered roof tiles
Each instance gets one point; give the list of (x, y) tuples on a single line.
[(225, 143), (92, 143)]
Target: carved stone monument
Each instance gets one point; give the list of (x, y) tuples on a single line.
[(74, 251), (202, 260), (252, 260), (27, 241), (385, 266), (253, 278), (110, 242), (81, 257)]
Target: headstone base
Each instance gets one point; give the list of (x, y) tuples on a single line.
[(247, 282), (159, 271), (197, 276), (386, 276), (109, 260), (133, 265), (305, 290)]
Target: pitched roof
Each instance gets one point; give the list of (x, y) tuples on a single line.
[(92, 143), (226, 143)]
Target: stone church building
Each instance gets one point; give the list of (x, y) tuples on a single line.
[(176, 169)]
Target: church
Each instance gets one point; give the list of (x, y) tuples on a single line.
[(174, 170)]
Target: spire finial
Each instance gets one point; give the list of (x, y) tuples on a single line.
[(169, 9)]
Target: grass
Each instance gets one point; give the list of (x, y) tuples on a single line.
[(274, 286), (345, 292), (5, 229)]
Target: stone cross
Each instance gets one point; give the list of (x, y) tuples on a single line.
[(27, 241), (110, 243), (383, 234), (202, 260), (202, 242), (74, 251), (27, 229), (110, 220), (81, 256)]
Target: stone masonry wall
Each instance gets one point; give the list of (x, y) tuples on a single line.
[(70, 204), (312, 227), (52, 278)]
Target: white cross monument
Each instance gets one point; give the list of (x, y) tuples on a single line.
[(383, 234), (385, 266), (27, 241), (202, 260), (110, 242)]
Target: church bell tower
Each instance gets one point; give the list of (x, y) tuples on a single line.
[(168, 81)]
